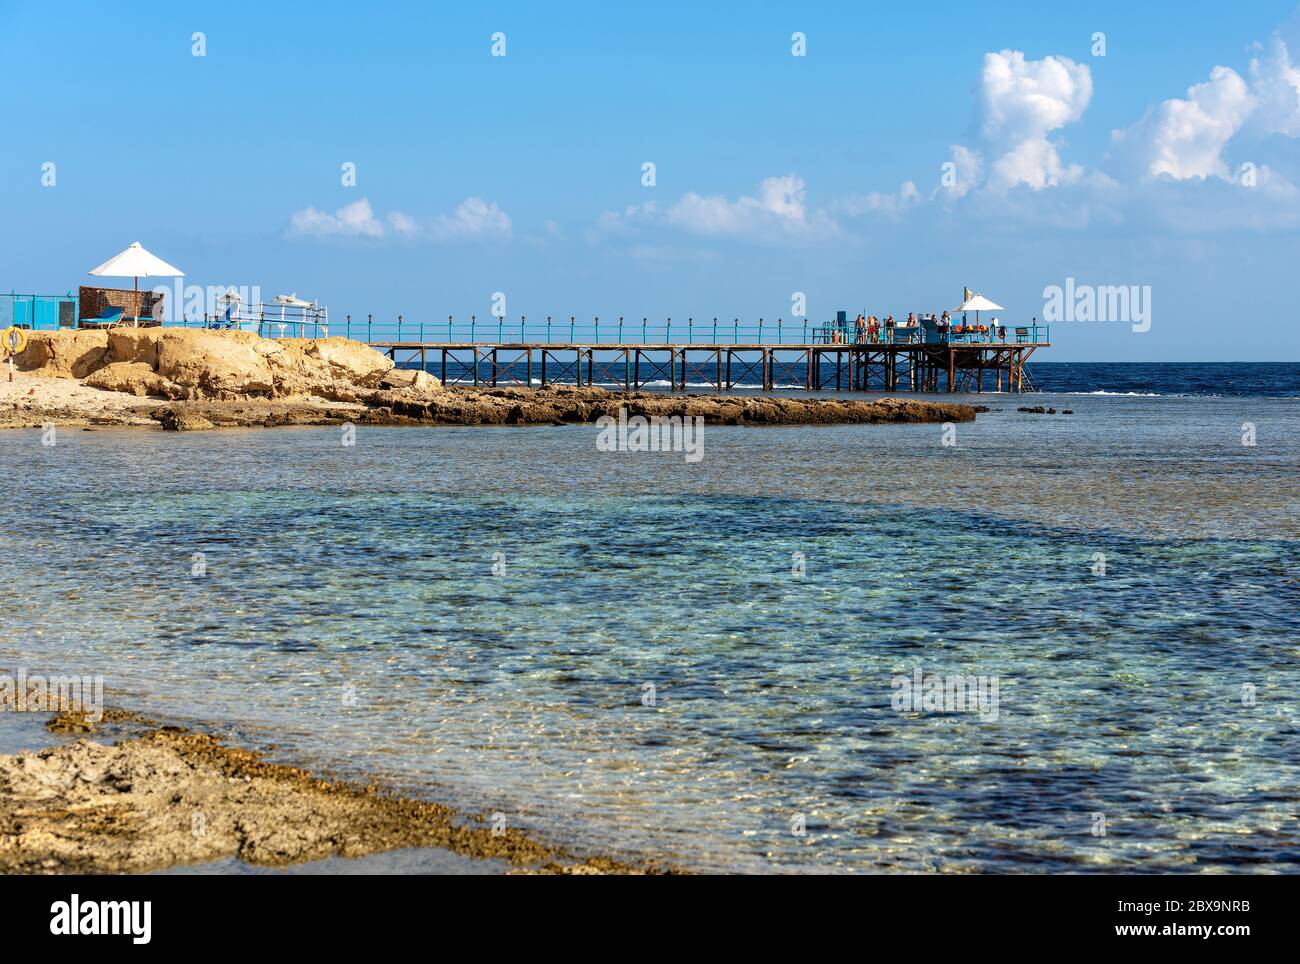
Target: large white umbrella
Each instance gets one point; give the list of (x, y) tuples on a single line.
[(135, 262), (977, 303)]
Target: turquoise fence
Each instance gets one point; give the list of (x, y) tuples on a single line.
[(55, 311), (494, 331)]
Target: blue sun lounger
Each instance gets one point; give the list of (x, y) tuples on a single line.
[(107, 319)]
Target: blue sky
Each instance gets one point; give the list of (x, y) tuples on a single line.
[(775, 174)]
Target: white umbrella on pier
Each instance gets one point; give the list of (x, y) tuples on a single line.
[(977, 303)]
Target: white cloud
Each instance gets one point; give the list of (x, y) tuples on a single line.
[(1276, 82), (1025, 99), (780, 203), (779, 207), (1003, 177), (403, 224), (889, 205), (967, 166), (1021, 102), (473, 219), (1185, 138), (1034, 162), (352, 220)]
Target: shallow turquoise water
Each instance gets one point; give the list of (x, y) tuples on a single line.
[(349, 612)]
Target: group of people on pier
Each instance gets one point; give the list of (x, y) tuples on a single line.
[(869, 330)]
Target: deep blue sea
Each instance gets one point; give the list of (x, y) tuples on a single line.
[(1213, 379), (705, 662)]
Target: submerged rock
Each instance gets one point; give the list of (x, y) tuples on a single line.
[(180, 420), (130, 807), (561, 404)]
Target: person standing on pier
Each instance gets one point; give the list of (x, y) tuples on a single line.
[(860, 329)]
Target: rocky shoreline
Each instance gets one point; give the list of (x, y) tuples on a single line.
[(164, 796), (191, 379)]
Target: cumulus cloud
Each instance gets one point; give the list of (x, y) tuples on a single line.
[(403, 224), (1021, 102), (1012, 172), (962, 172), (780, 208), (1276, 82), (1036, 163), (890, 205), (352, 220), (1024, 99), (473, 219), (780, 203), (1185, 138)]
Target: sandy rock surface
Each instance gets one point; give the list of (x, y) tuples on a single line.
[(195, 363), (174, 797)]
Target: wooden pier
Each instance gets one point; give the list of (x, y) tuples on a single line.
[(887, 367)]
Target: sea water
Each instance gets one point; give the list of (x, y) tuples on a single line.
[(634, 655)]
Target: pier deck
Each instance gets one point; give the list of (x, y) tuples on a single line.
[(959, 366)]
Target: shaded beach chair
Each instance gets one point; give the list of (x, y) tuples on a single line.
[(108, 318)]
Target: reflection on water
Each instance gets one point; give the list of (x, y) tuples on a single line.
[(347, 609)]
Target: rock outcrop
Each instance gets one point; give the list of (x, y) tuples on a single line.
[(134, 378), (217, 379), (565, 404), (193, 363), (64, 354)]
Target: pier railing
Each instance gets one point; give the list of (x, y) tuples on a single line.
[(620, 331), (291, 321)]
